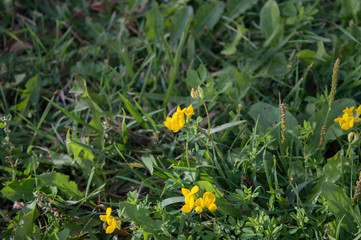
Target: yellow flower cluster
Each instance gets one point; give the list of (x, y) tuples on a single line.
[(112, 222), (349, 119), (177, 121), (208, 200)]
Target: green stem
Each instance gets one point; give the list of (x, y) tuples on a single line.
[(209, 121)]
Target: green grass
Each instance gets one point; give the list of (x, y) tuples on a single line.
[(86, 87)]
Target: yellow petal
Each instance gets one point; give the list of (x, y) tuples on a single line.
[(110, 229), (345, 126), (179, 111), (199, 209), (208, 199), (168, 123), (212, 207), (109, 211), (195, 189), (186, 209), (189, 200), (351, 122), (185, 191), (199, 203), (339, 120), (103, 218), (348, 110)]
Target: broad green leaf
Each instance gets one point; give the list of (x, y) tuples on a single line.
[(225, 126), (61, 181), (60, 235), (172, 200), (339, 205), (207, 16), (79, 85), (349, 9), (307, 56), (154, 19), (268, 116), (26, 223), (235, 8), (271, 23), (333, 168), (148, 161), (32, 90), (15, 190), (179, 23), (193, 79), (141, 217), (131, 109), (206, 186)]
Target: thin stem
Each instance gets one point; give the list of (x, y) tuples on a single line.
[(209, 121)]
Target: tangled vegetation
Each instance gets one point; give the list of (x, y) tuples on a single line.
[(180, 119)]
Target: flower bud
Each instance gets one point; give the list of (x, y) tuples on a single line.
[(353, 137), (194, 94), (200, 92)]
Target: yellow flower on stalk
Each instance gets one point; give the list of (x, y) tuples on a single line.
[(208, 201), (177, 121), (111, 221), (347, 120), (188, 112), (348, 110), (189, 198)]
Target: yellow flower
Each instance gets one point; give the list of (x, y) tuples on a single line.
[(188, 112), (112, 225), (208, 201), (348, 119), (188, 207), (348, 110), (176, 122), (111, 221), (189, 198)]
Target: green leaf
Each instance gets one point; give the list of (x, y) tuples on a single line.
[(268, 116), (271, 23), (79, 85), (15, 190), (171, 200), (72, 116), (154, 19), (339, 205), (349, 9), (61, 181), (141, 217), (60, 235), (206, 186), (307, 56), (225, 126), (26, 223), (179, 23), (333, 168), (207, 16), (237, 7), (131, 109), (148, 161)]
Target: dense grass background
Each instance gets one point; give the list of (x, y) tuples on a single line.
[(86, 86)]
